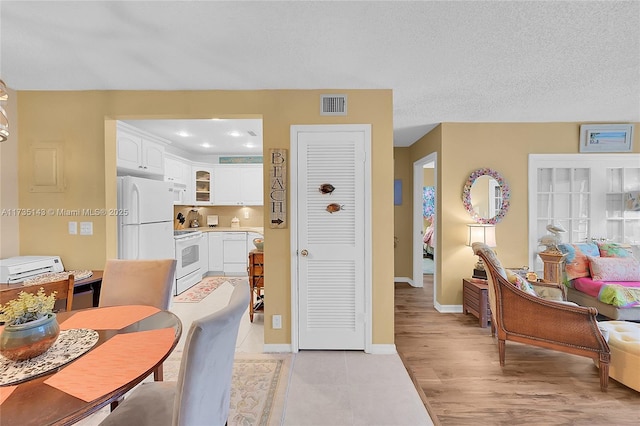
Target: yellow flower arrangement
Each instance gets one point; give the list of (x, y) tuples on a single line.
[(27, 307)]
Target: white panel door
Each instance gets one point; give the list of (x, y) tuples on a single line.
[(331, 240)]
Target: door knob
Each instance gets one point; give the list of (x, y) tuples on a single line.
[(304, 253)]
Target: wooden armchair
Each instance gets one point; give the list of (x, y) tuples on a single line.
[(63, 289), (521, 317)]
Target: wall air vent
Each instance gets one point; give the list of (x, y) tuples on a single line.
[(333, 104)]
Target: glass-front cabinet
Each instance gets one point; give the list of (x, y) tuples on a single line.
[(203, 185), (591, 196)]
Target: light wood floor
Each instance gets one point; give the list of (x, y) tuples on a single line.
[(455, 364)]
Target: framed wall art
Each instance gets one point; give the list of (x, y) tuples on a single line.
[(606, 137)]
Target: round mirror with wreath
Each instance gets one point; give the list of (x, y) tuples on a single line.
[(486, 196)]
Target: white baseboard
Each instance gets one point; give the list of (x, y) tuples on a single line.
[(448, 309), (404, 280), (278, 348), (383, 349)]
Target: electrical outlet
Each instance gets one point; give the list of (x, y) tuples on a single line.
[(246, 214), (73, 228), (276, 321), (86, 228)]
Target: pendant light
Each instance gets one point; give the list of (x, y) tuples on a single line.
[(4, 123)]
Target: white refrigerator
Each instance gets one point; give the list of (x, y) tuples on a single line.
[(145, 220)]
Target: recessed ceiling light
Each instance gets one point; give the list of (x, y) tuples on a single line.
[(205, 145), (235, 133), (183, 133), (248, 145)]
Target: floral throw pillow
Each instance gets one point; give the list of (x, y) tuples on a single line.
[(613, 250), (520, 282), (576, 262), (614, 269)]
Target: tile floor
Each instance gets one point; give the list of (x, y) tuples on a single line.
[(336, 388)]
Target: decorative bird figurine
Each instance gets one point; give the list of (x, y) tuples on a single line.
[(551, 241), (555, 229)]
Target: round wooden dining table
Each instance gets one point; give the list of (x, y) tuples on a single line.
[(132, 342)]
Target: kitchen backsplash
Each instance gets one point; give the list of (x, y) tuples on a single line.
[(225, 214)]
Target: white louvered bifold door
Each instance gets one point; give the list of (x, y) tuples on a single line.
[(331, 274)]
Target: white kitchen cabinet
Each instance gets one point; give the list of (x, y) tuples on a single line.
[(238, 185), (235, 253), (203, 179), (216, 252), (138, 155), (176, 171), (204, 254)]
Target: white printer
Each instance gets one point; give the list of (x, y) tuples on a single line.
[(19, 268)]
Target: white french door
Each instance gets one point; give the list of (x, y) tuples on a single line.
[(330, 246), (586, 194)]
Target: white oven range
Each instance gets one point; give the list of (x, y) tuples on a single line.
[(188, 265)]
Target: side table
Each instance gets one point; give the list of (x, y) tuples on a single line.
[(475, 300)]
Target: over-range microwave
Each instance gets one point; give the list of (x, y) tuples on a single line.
[(179, 191)]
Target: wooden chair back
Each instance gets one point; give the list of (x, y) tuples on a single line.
[(63, 289)]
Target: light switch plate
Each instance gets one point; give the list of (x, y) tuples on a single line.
[(73, 228), (86, 228)]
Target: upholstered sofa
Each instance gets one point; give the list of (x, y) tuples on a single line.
[(605, 276)]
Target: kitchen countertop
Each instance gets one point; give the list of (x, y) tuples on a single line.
[(256, 229)]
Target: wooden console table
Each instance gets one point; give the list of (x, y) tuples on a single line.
[(256, 282), (475, 300)]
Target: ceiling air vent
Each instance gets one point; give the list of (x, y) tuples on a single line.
[(333, 104), (252, 133)]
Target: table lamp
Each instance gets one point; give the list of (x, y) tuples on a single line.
[(481, 233)]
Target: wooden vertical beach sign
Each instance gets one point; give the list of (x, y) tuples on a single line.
[(278, 188)]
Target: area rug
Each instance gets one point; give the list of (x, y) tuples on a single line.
[(204, 288), (258, 387)]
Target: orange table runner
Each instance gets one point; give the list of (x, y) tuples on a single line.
[(5, 391), (113, 364), (108, 318)]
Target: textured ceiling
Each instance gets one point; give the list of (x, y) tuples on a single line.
[(493, 61)]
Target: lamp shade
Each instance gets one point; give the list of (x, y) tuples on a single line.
[(480, 233)]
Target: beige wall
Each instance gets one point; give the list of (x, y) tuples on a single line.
[(85, 123), (468, 146), (9, 220), (403, 170)]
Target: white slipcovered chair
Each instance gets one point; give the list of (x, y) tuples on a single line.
[(202, 394)]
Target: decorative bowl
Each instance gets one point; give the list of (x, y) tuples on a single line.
[(259, 243), (28, 340)]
